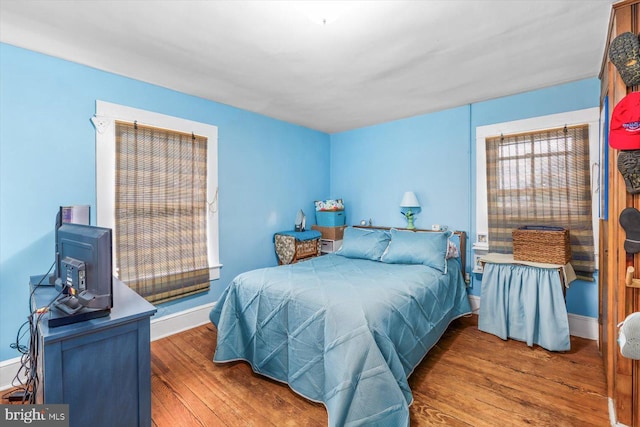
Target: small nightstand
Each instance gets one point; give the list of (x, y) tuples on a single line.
[(294, 246), (328, 246), (331, 239), (525, 301)]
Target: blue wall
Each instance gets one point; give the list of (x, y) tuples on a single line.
[(434, 156), (268, 170), (372, 167)]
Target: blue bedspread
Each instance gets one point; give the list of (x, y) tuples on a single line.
[(344, 332)]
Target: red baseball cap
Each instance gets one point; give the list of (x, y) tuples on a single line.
[(624, 133)]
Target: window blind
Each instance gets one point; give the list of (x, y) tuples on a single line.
[(542, 178), (161, 211)]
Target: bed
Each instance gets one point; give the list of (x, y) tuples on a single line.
[(347, 329)]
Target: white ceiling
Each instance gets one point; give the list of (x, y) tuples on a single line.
[(378, 61)]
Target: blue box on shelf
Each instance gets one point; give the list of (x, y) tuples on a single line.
[(330, 218)]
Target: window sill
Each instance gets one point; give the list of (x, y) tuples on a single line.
[(214, 272)]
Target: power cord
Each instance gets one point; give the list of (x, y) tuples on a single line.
[(26, 391)]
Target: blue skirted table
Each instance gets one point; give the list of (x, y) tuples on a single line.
[(294, 246), (525, 301)]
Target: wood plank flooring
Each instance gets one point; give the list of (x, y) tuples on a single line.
[(469, 379)]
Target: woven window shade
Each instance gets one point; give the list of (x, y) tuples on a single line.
[(161, 211), (542, 178)]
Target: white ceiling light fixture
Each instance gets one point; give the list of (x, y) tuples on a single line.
[(324, 12)]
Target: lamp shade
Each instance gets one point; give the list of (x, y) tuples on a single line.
[(409, 200)]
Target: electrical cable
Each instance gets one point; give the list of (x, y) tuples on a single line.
[(37, 285), (29, 359)]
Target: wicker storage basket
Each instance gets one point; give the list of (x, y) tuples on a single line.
[(307, 248), (549, 245)]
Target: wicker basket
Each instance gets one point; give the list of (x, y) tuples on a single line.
[(549, 245), (307, 248)]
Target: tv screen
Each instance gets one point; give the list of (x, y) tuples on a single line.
[(84, 267)]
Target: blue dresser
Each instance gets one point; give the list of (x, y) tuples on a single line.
[(101, 367)]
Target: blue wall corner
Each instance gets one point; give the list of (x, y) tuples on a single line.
[(268, 170), (434, 156)]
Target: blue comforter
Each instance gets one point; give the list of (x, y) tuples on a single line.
[(344, 332)]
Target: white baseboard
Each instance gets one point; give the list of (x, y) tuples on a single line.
[(579, 326), (8, 370), (613, 420), (160, 328), (583, 326), (178, 322), (475, 303)]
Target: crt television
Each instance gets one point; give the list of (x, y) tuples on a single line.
[(84, 268)]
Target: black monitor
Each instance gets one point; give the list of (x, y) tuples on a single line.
[(77, 214), (84, 273)]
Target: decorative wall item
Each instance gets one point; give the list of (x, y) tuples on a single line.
[(624, 52), (624, 133), (482, 239)]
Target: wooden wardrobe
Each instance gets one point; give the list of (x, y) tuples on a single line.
[(617, 300)]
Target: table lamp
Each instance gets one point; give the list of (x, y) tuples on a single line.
[(409, 200)]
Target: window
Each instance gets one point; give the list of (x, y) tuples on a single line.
[(538, 175), (541, 178), (157, 189)]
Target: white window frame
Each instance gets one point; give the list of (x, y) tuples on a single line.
[(104, 120), (588, 116)]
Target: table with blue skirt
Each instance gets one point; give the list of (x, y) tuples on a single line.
[(525, 301)]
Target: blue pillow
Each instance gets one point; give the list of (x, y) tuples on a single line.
[(410, 247), (363, 243)]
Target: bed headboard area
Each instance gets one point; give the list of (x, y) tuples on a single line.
[(459, 238)]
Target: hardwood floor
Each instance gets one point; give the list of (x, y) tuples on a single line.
[(469, 378)]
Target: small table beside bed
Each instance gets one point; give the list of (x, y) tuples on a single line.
[(294, 246), (348, 328), (525, 301)]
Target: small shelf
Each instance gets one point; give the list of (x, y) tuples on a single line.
[(328, 246), (480, 247), (479, 250)]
